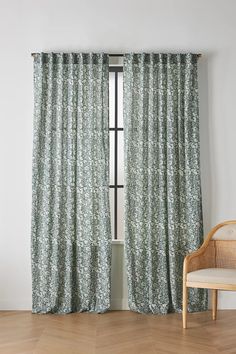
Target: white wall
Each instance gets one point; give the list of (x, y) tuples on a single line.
[(203, 26)]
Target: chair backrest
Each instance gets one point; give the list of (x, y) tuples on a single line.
[(222, 245)]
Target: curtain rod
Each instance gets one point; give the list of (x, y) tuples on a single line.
[(112, 55), (121, 55)]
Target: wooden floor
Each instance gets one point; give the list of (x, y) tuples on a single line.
[(118, 332)]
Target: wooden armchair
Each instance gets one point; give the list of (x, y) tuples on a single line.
[(212, 266)]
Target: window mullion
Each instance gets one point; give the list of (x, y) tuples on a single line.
[(116, 130), (116, 155)]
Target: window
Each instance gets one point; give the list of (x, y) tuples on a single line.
[(116, 151)]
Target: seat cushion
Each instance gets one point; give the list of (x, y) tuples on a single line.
[(213, 275)]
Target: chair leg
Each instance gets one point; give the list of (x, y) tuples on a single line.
[(214, 304), (185, 305)]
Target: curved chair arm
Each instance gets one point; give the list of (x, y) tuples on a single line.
[(202, 258)]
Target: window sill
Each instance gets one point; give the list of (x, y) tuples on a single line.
[(117, 242)]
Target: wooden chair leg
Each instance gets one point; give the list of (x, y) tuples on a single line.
[(185, 305), (214, 304)]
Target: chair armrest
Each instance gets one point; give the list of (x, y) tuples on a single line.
[(204, 257)]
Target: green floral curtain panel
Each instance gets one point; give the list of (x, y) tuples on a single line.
[(71, 238), (162, 179)]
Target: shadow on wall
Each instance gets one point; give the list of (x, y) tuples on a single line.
[(206, 140)]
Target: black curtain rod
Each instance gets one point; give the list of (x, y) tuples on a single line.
[(121, 55), (112, 55)]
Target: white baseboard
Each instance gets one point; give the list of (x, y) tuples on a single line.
[(226, 301), (15, 304), (119, 304), (25, 304)]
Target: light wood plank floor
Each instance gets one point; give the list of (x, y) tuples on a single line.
[(116, 332)]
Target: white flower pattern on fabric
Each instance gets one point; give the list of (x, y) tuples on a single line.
[(71, 234), (163, 211)]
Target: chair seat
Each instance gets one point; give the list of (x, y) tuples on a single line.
[(213, 275)]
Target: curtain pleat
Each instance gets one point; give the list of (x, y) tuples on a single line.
[(163, 213), (71, 236)]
